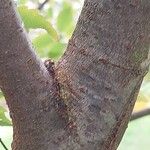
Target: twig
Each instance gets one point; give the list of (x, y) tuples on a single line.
[(42, 4), (3, 144), (140, 114)]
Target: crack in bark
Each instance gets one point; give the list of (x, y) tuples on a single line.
[(137, 71)]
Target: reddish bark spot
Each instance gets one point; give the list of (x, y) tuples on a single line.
[(104, 61), (84, 52), (134, 3), (83, 89)]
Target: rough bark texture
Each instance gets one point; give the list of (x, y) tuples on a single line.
[(28, 87), (99, 78)]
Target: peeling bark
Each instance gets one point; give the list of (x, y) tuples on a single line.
[(87, 100)]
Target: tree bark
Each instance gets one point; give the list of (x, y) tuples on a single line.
[(86, 102), (28, 87)]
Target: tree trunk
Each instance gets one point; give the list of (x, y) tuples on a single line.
[(86, 101)]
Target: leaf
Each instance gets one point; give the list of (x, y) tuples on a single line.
[(42, 44), (56, 50), (49, 12), (42, 40), (22, 1), (47, 48), (32, 19), (3, 119), (65, 18)]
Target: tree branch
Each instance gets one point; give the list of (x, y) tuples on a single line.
[(3, 144), (101, 71), (140, 114), (99, 78), (40, 7), (33, 100)]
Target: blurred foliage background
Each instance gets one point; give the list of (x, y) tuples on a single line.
[(49, 27)]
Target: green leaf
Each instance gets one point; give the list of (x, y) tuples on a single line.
[(49, 12), (65, 18), (42, 40), (32, 19), (42, 44), (47, 48), (22, 1), (3, 119), (56, 50)]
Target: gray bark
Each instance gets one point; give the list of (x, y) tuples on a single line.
[(86, 102), (27, 86)]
